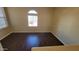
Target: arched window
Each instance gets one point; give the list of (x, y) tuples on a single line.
[(32, 18)]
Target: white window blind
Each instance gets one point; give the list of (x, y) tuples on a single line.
[(3, 22)]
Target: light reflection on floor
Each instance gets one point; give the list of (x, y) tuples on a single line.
[(32, 41)]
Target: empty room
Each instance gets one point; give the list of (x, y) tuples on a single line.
[(39, 29)]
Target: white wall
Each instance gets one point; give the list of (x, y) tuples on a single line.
[(66, 26)]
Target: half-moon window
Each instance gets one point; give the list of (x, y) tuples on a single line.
[(32, 12)]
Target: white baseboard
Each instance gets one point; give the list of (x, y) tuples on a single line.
[(28, 31), (6, 35)]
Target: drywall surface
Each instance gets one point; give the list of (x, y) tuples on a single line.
[(66, 25)]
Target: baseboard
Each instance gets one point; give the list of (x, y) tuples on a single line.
[(6, 35), (59, 38), (30, 32)]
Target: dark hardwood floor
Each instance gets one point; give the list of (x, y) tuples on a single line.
[(25, 41)]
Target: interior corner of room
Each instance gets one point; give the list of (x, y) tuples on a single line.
[(62, 22)]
